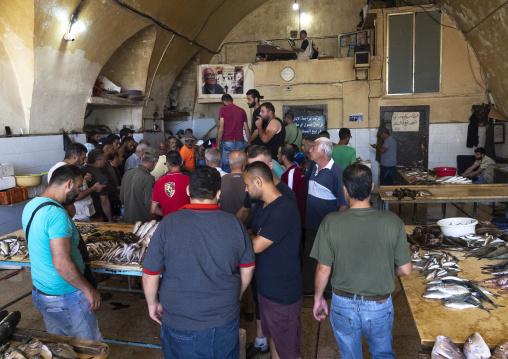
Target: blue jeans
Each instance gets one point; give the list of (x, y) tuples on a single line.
[(68, 315), (386, 176), (219, 342), (353, 317), (226, 149), (480, 180)]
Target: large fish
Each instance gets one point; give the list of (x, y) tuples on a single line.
[(445, 348), (501, 351), (475, 347)]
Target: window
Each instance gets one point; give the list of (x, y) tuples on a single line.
[(414, 53)]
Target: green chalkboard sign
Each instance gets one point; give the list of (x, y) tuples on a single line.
[(310, 119)]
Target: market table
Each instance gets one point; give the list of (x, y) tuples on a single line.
[(432, 318), (448, 193), (88, 349)]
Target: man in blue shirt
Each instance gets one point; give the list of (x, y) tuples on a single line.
[(325, 195), (60, 292), (388, 158)]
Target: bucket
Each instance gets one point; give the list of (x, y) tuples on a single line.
[(501, 223)]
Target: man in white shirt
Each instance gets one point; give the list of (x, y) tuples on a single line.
[(213, 159), (83, 208)]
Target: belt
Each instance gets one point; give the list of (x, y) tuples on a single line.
[(233, 140), (41, 292), (372, 298)]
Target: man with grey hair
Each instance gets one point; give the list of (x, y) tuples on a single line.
[(135, 159), (137, 189), (213, 159), (325, 195)]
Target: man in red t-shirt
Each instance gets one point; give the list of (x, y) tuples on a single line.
[(170, 191), (293, 176), (232, 123)]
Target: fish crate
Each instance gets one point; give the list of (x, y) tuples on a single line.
[(13, 195)]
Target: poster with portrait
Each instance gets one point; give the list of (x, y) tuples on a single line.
[(217, 80)]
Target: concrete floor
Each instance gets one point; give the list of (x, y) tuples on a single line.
[(133, 323)]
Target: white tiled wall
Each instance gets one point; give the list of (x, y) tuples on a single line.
[(30, 155), (447, 141)]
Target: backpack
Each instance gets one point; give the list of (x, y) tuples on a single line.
[(315, 51)]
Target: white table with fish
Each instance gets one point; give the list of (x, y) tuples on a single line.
[(432, 318)]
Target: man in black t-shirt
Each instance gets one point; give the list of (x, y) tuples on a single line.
[(276, 242), (95, 167), (253, 100), (270, 131)]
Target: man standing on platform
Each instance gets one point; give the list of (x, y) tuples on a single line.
[(293, 133), (205, 269), (60, 292), (367, 248), (388, 158), (253, 100), (232, 124), (276, 242), (137, 189), (170, 191), (325, 195), (342, 154)]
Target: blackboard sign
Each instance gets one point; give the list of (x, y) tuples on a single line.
[(310, 119)]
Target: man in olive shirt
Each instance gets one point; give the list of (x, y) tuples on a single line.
[(293, 133), (367, 249), (482, 169), (137, 189)]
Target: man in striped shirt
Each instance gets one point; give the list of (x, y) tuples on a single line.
[(325, 195)]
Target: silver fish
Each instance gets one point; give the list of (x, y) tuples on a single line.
[(475, 347), (458, 304), (445, 348), (437, 295), (449, 288)]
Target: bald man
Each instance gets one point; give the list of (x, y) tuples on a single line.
[(232, 184)]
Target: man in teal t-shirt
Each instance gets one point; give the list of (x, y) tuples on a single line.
[(342, 154), (60, 291), (293, 133)]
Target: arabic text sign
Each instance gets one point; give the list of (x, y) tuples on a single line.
[(406, 121)]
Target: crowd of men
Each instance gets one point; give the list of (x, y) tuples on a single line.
[(263, 213)]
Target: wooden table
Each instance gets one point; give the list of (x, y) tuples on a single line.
[(448, 193), (432, 318), (88, 349)]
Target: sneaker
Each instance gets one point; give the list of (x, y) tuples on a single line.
[(252, 351)]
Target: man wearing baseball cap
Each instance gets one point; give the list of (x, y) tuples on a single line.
[(188, 152)]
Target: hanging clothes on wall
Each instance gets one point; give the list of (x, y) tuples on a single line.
[(490, 149), (472, 132)]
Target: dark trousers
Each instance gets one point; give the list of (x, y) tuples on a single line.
[(310, 264), (386, 176)]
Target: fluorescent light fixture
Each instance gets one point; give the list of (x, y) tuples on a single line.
[(79, 26)]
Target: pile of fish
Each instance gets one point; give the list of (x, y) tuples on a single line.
[(454, 180), (406, 192), (435, 263), (459, 293), (8, 322), (12, 245), (35, 349), (474, 348), (496, 249), (87, 229), (500, 282), (431, 237), (130, 251)]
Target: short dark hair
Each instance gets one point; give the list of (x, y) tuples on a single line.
[(324, 134), (289, 115), (63, 174), (254, 94), (127, 139), (357, 179), (95, 155), (189, 130), (204, 183), (288, 151), (303, 32), (168, 132), (268, 106), (112, 155), (344, 133), (113, 137), (92, 133), (255, 150), (75, 149), (310, 138), (259, 169), (227, 97), (480, 150), (174, 158)]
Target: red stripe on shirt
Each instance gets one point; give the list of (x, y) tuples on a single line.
[(152, 273), (201, 207), (246, 265)]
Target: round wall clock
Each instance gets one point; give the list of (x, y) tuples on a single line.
[(287, 74)]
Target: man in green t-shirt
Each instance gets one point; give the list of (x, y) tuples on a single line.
[(367, 249), (342, 154), (293, 133)]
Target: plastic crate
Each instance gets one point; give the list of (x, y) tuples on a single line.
[(13, 195)]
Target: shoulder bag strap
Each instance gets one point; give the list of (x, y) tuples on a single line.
[(27, 231)]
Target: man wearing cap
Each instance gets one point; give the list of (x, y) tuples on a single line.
[(232, 124), (188, 152), (388, 158)]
